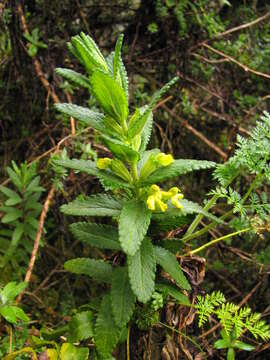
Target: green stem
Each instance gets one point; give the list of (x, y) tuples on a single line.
[(218, 240), (134, 171), (128, 339)]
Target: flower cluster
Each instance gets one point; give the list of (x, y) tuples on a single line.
[(157, 199)]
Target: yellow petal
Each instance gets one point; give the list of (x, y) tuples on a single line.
[(164, 160), (103, 163), (151, 203)]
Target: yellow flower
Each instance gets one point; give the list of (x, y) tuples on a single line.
[(103, 163), (175, 201), (164, 159), (151, 202)]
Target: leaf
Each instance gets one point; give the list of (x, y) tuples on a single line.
[(178, 167), (81, 326), (14, 178), (12, 215), (12, 195), (174, 292), (107, 333), (16, 237), (85, 166), (190, 207), (138, 125), (121, 150), (230, 354), (100, 236), (13, 313), (122, 298), (71, 352), (221, 344), (74, 76), (86, 116), (243, 346), (117, 58), (96, 269), (51, 354), (95, 205), (111, 97), (170, 264), (141, 271), (15, 354), (133, 224), (146, 132), (111, 182)]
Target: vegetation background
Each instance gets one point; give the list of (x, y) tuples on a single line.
[(221, 52)]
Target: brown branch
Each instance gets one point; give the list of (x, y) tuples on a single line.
[(245, 67), (38, 237), (196, 133)]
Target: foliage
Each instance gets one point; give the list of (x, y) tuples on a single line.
[(234, 321), (21, 207)]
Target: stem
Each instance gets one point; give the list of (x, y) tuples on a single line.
[(218, 240), (128, 338), (134, 171)]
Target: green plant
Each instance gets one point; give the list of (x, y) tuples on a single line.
[(136, 201), (34, 42), (10, 312), (21, 209), (234, 321)]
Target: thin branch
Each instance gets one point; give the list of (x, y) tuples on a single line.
[(245, 67)]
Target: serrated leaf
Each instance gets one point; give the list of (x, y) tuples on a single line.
[(96, 269), (107, 333), (71, 352), (122, 298), (133, 224), (85, 166), (12, 215), (110, 95), (95, 205), (100, 236), (74, 76), (146, 132), (86, 116), (178, 167), (11, 194), (121, 150), (14, 178), (174, 292), (117, 58), (111, 182), (81, 326), (170, 264), (138, 125), (141, 271)]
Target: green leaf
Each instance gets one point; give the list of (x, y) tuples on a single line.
[(95, 205), (12, 215), (15, 354), (230, 354), (141, 271), (14, 178), (174, 292), (84, 166), (16, 237), (74, 76), (111, 182), (13, 313), (178, 167), (100, 236), (137, 126), (121, 150), (170, 264), (71, 352), (243, 346), (14, 198), (96, 269), (221, 344), (117, 58), (81, 326), (122, 298), (110, 95), (133, 224), (146, 132), (86, 116), (88, 53), (107, 333)]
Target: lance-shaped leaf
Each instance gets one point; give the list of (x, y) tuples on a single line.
[(146, 132), (87, 52), (85, 166), (96, 269), (141, 271), (120, 150), (133, 224), (138, 125), (100, 236), (174, 292), (122, 298), (178, 167), (107, 333), (110, 95), (74, 76), (95, 205), (111, 182), (88, 117), (117, 58), (170, 264), (190, 207)]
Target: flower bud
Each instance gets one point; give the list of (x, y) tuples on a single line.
[(120, 170), (164, 159), (103, 163)]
